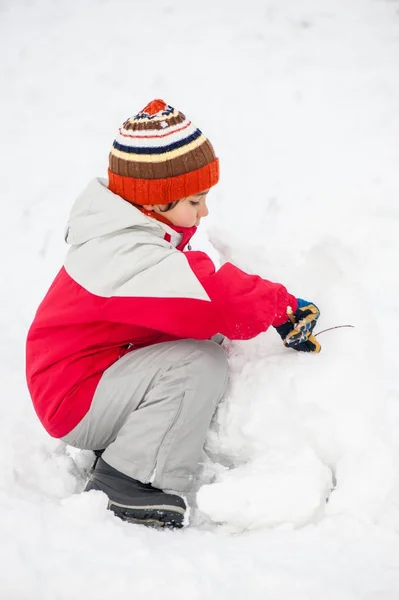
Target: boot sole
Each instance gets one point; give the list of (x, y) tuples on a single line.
[(151, 516)]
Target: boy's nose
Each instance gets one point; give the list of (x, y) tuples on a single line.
[(204, 211)]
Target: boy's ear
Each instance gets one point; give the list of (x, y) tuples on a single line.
[(149, 207)]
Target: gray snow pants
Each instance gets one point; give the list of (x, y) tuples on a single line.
[(152, 409)]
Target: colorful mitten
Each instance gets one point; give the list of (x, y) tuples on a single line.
[(297, 331)]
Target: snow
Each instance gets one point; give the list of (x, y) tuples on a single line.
[(300, 100)]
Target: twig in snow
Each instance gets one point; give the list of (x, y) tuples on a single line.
[(330, 328)]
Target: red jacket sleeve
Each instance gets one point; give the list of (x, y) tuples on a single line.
[(247, 304), (240, 306)]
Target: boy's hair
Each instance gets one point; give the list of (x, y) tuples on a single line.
[(159, 157), (169, 206), (165, 207)]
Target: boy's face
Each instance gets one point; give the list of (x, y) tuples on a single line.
[(187, 212)]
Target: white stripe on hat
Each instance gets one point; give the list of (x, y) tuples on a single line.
[(159, 142), (165, 131)]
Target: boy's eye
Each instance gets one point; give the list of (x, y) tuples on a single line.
[(194, 203)]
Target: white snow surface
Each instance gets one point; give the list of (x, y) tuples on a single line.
[(300, 100)]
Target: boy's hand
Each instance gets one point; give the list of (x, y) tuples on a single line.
[(297, 331)]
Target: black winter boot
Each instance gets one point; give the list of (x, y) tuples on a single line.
[(134, 501)]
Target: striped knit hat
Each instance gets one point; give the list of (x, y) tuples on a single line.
[(159, 156)]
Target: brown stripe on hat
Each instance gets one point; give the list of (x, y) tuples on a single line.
[(146, 125), (197, 158)]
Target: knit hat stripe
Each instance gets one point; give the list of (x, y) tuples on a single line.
[(137, 126), (163, 191), (153, 134), (198, 158), (158, 148), (154, 141), (159, 156), (147, 139), (167, 114)]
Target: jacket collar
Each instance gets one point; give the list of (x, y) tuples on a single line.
[(185, 233), (183, 238)]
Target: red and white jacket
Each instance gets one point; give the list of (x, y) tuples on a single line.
[(126, 283)]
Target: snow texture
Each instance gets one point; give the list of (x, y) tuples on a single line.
[(300, 100)]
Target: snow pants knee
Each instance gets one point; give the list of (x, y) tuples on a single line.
[(152, 409)]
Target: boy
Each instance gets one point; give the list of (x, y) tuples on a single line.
[(119, 355)]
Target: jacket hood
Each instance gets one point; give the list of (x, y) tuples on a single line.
[(98, 212)]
